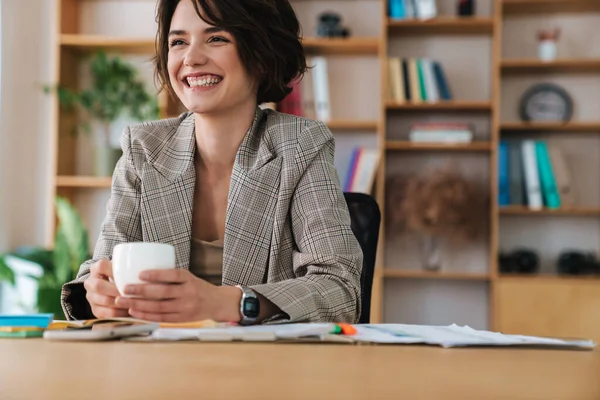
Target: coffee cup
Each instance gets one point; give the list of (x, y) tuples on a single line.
[(129, 259)]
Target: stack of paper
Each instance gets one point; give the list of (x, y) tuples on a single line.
[(454, 336), (445, 336)]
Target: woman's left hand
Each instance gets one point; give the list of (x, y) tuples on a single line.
[(176, 295)]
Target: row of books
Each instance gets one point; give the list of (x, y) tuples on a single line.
[(310, 95), (441, 132), (533, 173), (421, 9), (417, 80), (362, 170)]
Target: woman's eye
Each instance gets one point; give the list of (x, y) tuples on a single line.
[(175, 42), (217, 39)]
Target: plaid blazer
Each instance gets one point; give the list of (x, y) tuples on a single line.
[(287, 228)]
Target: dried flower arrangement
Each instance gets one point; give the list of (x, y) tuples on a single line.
[(440, 203)]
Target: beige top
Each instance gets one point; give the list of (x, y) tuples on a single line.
[(206, 260)]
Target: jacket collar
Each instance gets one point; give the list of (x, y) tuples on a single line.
[(173, 156)]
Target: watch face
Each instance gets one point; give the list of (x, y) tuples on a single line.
[(251, 307)]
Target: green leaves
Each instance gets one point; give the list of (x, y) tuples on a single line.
[(116, 90), (71, 242), (6, 274)]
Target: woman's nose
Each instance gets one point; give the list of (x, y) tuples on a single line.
[(195, 56)]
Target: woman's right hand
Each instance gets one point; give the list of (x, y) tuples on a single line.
[(102, 293)]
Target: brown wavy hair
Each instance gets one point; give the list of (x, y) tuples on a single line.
[(267, 34)]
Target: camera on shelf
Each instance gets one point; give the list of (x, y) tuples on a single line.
[(519, 261), (574, 262), (329, 26)]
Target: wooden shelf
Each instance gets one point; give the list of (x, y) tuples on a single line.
[(316, 46), (349, 125), (421, 274), (442, 25), (551, 277), (96, 42), (556, 66), (412, 146), (442, 106), (550, 127), (549, 6), (84, 181), (341, 46), (576, 211)]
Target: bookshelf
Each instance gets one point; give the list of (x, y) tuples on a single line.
[(486, 77)]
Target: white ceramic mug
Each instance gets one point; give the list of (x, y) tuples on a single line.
[(129, 259)]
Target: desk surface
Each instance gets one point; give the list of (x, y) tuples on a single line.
[(37, 369)]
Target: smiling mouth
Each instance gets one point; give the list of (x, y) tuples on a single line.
[(203, 81)]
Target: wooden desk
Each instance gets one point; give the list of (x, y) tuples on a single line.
[(34, 369)]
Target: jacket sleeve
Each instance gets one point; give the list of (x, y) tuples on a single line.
[(327, 260), (121, 224)]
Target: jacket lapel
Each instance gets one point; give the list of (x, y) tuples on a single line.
[(168, 190), (253, 195)]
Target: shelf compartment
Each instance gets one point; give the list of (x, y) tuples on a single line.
[(412, 146), (524, 66), (593, 127), (342, 46), (83, 182), (574, 211), (442, 25), (549, 6), (453, 105), (443, 275), (350, 125)]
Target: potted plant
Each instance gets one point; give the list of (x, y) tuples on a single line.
[(438, 205), (116, 92), (60, 264)]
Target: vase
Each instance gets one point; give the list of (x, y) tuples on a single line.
[(547, 50), (106, 160), (431, 248)]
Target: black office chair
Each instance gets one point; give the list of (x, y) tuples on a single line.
[(365, 220)]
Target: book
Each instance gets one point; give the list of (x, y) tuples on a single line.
[(531, 175), (547, 181)]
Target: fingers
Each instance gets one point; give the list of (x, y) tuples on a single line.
[(154, 291), (107, 312), (150, 306), (102, 268), (96, 299), (178, 275), (100, 286)]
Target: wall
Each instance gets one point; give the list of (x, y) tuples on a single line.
[(26, 31)]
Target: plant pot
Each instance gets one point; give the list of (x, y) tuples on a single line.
[(48, 301), (106, 160)]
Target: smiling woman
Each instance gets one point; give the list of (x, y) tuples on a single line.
[(249, 198)]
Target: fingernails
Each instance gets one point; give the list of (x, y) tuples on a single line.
[(144, 275), (129, 289)]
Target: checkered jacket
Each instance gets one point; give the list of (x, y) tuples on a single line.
[(287, 229)]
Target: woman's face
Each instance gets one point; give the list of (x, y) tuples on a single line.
[(204, 68)]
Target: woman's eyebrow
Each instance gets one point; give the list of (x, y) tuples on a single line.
[(177, 33)]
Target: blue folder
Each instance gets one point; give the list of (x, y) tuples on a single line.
[(28, 320)]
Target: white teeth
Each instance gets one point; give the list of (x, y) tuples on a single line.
[(211, 81)]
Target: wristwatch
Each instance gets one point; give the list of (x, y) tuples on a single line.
[(249, 306)]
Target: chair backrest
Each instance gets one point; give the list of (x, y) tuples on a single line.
[(365, 219)]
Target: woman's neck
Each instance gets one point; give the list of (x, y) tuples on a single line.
[(218, 136)]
